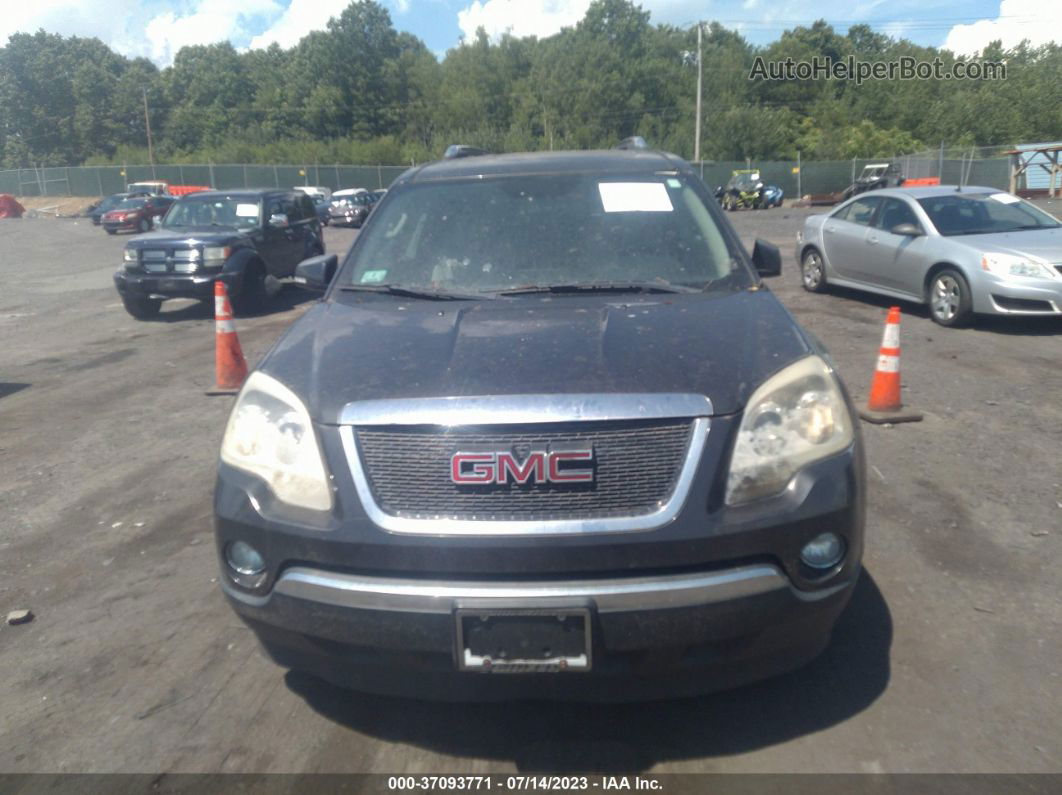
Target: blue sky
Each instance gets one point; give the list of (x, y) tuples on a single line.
[(158, 28)]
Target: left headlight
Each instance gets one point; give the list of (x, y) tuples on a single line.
[(129, 256), (795, 417), (215, 256), (269, 434), (1009, 265)]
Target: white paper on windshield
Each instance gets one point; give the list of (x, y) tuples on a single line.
[(1005, 198), (634, 197), (247, 210)]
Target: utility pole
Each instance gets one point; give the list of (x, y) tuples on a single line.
[(697, 121), (147, 124)]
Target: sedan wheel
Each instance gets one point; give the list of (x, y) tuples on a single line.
[(813, 272), (144, 225), (949, 298)]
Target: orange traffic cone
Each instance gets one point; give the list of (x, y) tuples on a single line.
[(230, 366), (884, 404)]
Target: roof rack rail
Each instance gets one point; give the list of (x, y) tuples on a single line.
[(634, 142), (461, 150)]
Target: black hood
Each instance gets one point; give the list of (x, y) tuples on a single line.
[(188, 236), (364, 347)]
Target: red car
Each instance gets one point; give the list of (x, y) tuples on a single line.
[(136, 214)]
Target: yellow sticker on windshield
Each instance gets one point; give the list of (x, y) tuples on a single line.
[(247, 210), (1005, 198), (634, 197), (373, 277)]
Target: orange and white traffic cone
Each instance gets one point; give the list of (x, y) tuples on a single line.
[(230, 366), (885, 404)]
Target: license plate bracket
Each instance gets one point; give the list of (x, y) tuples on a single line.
[(523, 640)]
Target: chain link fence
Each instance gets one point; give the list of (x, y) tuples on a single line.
[(972, 166), (105, 180), (956, 167)]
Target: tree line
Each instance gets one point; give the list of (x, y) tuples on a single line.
[(361, 91)]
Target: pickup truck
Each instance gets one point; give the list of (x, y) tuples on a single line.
[(250, 239)]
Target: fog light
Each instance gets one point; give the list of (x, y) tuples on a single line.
[(244, 559), (823, 552)]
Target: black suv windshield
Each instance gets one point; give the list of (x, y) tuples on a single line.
[(235, 211), (486, 236)]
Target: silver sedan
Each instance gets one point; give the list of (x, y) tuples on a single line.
[(960, 250)]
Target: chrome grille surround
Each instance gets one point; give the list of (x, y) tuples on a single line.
[(561, 417)]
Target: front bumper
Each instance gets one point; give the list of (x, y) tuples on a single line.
[(1033, 297), (172, 285), (712, 599), (116, 226), (652, 637)]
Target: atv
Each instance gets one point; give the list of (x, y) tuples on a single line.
[(745, 189)]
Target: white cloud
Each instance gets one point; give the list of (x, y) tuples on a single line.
[(300, 18), (1036, 20), (520, 17), (207, 22), (401, 6), (106, 20)]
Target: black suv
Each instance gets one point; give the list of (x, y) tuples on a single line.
[(548, 434), (247, 238)]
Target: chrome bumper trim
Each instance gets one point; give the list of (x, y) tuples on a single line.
[(361, 592)]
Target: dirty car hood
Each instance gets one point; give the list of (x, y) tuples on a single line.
[(360, 347)]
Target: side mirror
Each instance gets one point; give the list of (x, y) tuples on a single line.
[(767, 258), (910, 230), (279, 221), (316, 273)]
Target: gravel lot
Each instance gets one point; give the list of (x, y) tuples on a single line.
[(947, 660)]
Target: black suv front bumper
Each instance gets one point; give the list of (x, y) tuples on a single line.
[(134, 284), (713, 599)]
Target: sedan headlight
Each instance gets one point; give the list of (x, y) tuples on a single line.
[(797, 416), (1007, 265), (269, 434)]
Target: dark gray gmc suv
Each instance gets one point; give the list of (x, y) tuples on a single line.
[(547, 434)]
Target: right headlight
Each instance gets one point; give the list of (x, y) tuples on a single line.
[(795, 417), (269, 434)]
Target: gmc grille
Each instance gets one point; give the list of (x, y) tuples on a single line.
[(636, 467)]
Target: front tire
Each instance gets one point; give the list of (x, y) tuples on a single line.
[(252, 295), (813, 271), (142, 308), (949, 299)]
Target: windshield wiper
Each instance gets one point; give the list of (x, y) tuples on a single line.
[(415, 292), (602, 287)]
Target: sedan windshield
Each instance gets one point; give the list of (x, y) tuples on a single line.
[(984, 213), (566, 231), (235, 211), (131, 204)]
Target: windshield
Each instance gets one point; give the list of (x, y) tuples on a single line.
[(524, 231), (131, 204), (236, 211), (984, 213)]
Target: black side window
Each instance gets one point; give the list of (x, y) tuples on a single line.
[(895, 212), (861, 211)]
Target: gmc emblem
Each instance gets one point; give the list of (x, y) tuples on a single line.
[(540, 466)]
